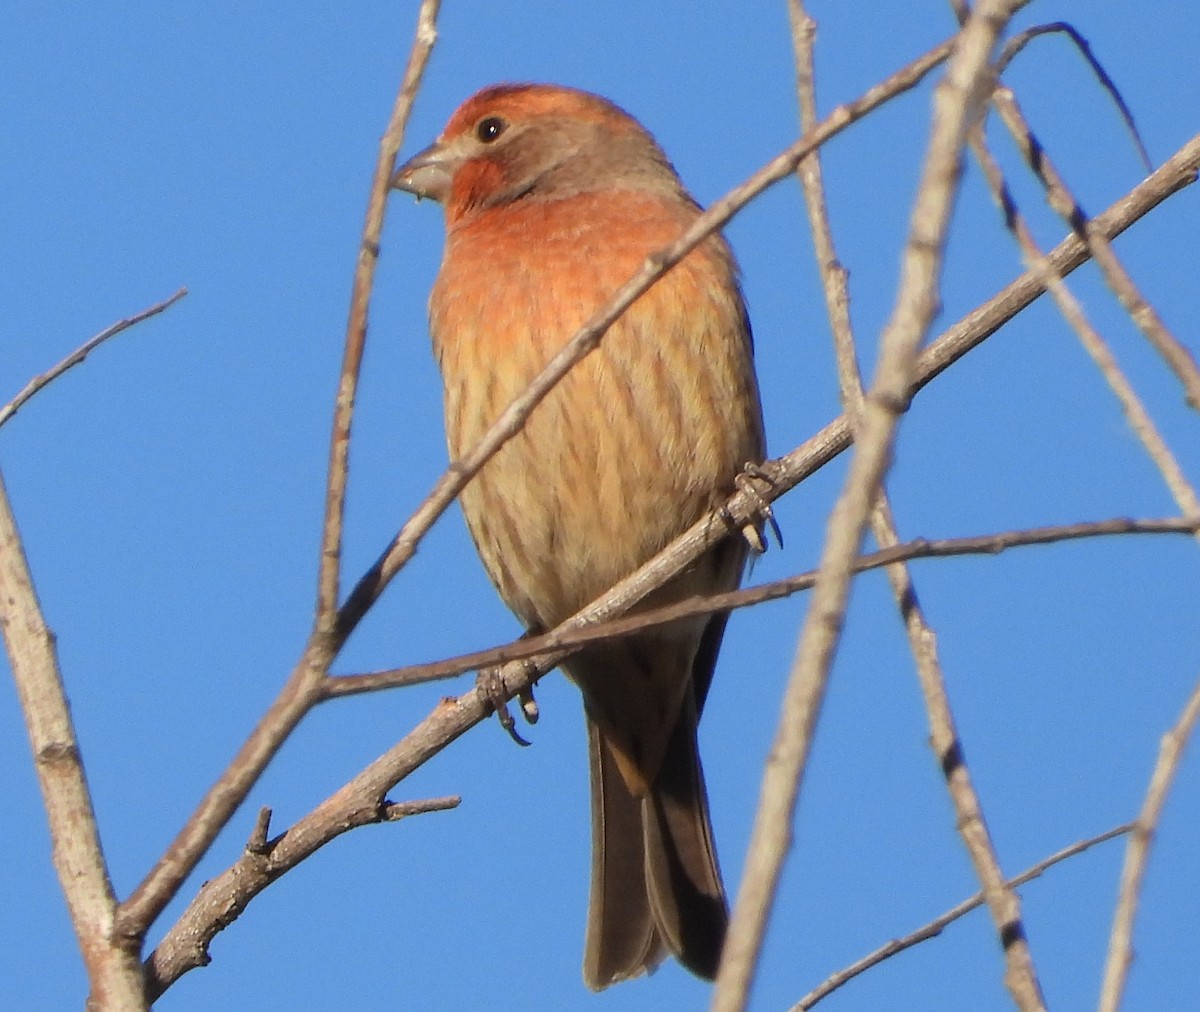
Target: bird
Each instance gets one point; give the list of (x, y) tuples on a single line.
[(553, 197)]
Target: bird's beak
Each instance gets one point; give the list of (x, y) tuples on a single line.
[(427, 174)]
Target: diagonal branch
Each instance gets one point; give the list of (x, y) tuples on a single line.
[(939, 924), (82, 352), (1137, 854), (223, 899)]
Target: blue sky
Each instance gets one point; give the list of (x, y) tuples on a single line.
[(170, 494)]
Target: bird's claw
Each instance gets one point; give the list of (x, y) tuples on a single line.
[(744, 481), (490, 683)]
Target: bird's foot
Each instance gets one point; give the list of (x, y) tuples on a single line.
[(746, 482), (490, 684)]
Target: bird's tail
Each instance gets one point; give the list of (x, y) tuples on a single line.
[(682, 878), (655, 884)]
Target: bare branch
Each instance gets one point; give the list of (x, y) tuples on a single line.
[(82, 352), (257, 844), (356, 329), (222, 900), (113, 972), (1021, 40), (394, 811), (939, 924), (833, 274), (1137, 854)]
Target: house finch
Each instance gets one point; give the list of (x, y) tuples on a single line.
[(553, 199)]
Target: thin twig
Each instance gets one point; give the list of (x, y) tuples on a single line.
[(82, 352), (1018, 42), (554, 644), (1137, 854), (958, 101), (394, 811), (303, 688), (939, 924), (1143, 314), (329, 568), (943, 737), (833, 274)]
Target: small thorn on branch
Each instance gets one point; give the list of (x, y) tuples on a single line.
[(258, 844)]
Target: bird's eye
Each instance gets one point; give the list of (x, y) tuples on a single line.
[(490, 128)]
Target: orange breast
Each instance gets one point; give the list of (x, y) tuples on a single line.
[(639, 440)]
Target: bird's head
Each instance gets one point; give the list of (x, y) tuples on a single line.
[(514, 142)]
